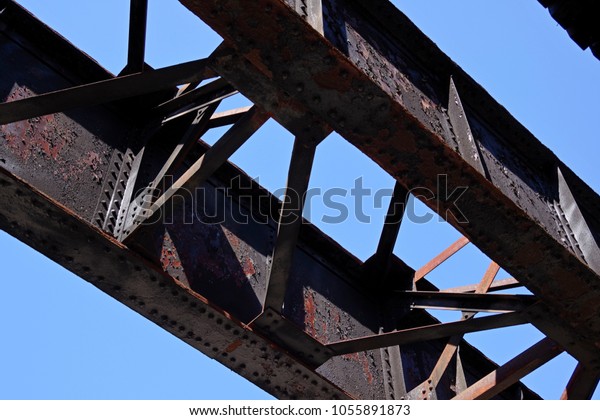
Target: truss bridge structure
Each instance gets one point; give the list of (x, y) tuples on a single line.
[(100, 173)]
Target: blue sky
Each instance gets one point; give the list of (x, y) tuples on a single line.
[(64, 339)]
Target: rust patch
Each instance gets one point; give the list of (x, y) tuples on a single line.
[(361, 359), (310, 311), (254, 57), (168, 256), (248, 267), (234, 346), (233, 240), (91, 162), (44, 135), (170, 260), (425, 104), (334, 79)]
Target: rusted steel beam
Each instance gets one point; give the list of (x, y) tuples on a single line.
[(200, 170), (450, 352), (392, 223), (378, 266), (427, 333), (373, 64), (582, 384), (141, 205), (102, 92), (220, 119), (286, 110), (138, 17), (580, 20), (467, 302), (425, 389), (92, 254), (197, 128), (214, 91), (290, 222), (496, 286), (488, 278), (512, 371), (199, 281), (441, 258)]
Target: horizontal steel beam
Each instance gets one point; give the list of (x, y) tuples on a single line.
[(472, 302), (188, 101), (220, 119), (428, 333), (103, 91), (496, 286)]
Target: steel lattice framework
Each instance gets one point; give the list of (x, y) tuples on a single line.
[(97, 170)]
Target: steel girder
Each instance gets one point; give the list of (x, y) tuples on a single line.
[(220, 285), (380, 83), (580, 20)]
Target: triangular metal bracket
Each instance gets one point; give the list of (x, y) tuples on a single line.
[(467, 147), (581, 231)]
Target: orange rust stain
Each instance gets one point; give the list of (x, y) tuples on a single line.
[(234, 346), (248, 267), (37, 134), (361, 358), (332, 80), (232, 239), (425, 104), (254, 57), (93, 160), (323, 329), (168, 256), (309, 310)]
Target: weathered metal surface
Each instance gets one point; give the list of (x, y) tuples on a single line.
[(580, 20), (66, 238), (377, 268), (202, 273), (138, 19), (467, 147), (582, 384), (441, 258), (290, 222), (467, 301), (376, 66), (189, 259), (101, 92), (427, 333), (512, 371), (495, 286), (581, 237), (53, 150)]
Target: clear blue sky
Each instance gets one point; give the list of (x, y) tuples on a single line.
[(64, 339)]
